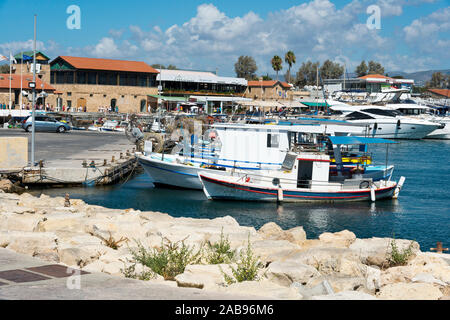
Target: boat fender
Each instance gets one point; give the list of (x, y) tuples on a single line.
[(364, 185), (375, 127), (399, 123), (280, 194), (248, 180), (373, 195), (399, 188)]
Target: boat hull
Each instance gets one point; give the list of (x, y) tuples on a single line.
[(220, 189), (176, 175)]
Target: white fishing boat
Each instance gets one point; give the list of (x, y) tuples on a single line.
[(243, 147), (304, 177)]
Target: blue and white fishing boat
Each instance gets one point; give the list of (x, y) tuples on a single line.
[(304, 177), (234, 146)]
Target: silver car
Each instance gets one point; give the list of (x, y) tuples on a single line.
[(45, 123)]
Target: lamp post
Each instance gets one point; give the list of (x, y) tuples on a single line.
[(33, 107)]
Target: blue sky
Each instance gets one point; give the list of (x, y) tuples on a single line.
[(209, 35)]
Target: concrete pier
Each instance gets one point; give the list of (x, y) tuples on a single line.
[(74, 158)]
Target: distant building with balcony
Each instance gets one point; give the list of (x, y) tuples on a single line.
[(371, 83), (267, 90), (90, 84), (203, 89)]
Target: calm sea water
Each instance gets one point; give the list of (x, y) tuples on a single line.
[(422, 213)]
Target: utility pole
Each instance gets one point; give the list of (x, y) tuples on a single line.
[(33, 107)]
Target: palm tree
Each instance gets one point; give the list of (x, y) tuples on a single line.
[(290, 59), (277, 64)]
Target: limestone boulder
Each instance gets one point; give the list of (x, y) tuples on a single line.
[(263, 289), (14, 222), (376, 251), (40, 245), (409, 291), (61, 221), (77, 256), (286, 272), (273, 250), (342, 239), (271, 231), (203, 276), (346, 295), (340, 283)]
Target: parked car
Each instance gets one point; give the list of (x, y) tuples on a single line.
[(45, 123)]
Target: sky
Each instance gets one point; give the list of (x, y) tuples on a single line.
[(407, 35)]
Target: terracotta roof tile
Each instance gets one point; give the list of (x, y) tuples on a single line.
[(377, 76), (268, 83), (15, 82), (441, 92), (108, 64)]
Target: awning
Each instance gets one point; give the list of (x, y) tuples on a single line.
[(316, 104), (165, 98), (357, 140)]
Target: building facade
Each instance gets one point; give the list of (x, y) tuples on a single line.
[(269, 90), (92, 85)]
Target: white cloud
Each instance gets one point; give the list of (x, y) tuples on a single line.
[(106, 48)]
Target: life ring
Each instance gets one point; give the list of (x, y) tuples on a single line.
[(364, 185)]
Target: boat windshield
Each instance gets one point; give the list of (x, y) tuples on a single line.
[(358, 116), (385, 113)]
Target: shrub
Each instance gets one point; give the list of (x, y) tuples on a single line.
[(247, 267), (169, 260), (399, 257), (220, 252)]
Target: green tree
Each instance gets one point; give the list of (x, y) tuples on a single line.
[(172, 67), (4, 68), (438, 80), (375, 68), (362, 69), (267, 77), (290, 59), (245, 67), (307, 74), (331, 70), (277, 64), (158, 66)]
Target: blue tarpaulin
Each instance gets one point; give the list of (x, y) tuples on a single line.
[(357, 140)]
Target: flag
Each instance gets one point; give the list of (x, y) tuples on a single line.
[(3, 58), (11, 59)]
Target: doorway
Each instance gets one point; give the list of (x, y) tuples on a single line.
[(304, 176)]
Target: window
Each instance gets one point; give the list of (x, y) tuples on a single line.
[(81, 77), (358, 116), (123, 80), (69, 77), (92, 78), (132, 80), (52, 77), (273, 140), (112, 79), (102, 78), (380, 112), (69, 103), (69, 94), (142, 81), (60, 77)]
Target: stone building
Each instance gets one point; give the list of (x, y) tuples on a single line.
[(16, 84), (92, 85), (269, 90)]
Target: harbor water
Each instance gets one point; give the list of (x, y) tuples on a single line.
[(422, 213)]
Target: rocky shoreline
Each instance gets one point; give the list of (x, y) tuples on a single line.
[(291, 266)]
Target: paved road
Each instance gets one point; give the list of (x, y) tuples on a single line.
[(67, 146), (21, 280)]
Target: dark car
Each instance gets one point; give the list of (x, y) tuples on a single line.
[(45, 123)]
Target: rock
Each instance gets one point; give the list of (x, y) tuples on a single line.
[(341, 239), (340, 283), (95, 266), (345, 295), (40, 245), (286, 272), (76, 257), (61, 221), (373, 279), (271, 231), (327, 260), (6, 186), (114, 268), (14, 222), (203, 276), (376, 251), (427, 278), (264, 289), (409, 291), (273, 250)]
